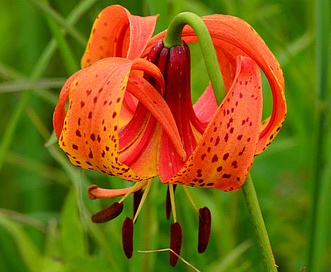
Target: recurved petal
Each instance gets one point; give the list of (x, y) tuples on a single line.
[(226, 150), (233, 37), (60, 109), (90, 129), (206, 105), (117, 33)]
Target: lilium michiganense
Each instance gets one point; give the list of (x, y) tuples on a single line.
[(129, 112)]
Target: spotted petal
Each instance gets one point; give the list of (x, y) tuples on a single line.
[(226, 150), (233, 37), (89, 131), (117, 33)]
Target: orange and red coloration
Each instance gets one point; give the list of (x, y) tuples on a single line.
[(130, 112)]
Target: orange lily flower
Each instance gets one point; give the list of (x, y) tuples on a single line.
[(91, 132), (130, 112)]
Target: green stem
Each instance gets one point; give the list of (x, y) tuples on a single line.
[(173, 38), (255, 214), (320, 209)]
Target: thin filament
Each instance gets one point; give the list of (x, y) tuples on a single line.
[(142, 201), (189, 196), (172, 201), (134, 188)]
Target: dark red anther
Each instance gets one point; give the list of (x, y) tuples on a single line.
[(136, 200), (108, 213), (175, 242), (204, 229), (127, 237)]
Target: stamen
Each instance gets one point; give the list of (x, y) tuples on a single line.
[(168, 202), (136, 200), (94, 191), (204, 229), (138, 186), (127, 237), (141, 204), (172, 201), (108, 213), (189, 196), (175, 242)]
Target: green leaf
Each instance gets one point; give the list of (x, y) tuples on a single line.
[(28, 250), (87, 264), (72, 233)]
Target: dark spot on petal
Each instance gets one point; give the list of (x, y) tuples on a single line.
[(217, 140), (225, 156), (215, 158), (242, 151), (75, 147), (226, 137)]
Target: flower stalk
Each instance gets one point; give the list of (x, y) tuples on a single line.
[(255, 214), (212, 144), (173, 37)]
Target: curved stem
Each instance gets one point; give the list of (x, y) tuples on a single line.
[(173, 38), (255, 214)]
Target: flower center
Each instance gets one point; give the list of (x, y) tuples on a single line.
[(174, 64)]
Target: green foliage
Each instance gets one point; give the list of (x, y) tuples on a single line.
[(44, 210)]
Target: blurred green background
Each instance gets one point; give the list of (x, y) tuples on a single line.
[(44, 211)]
